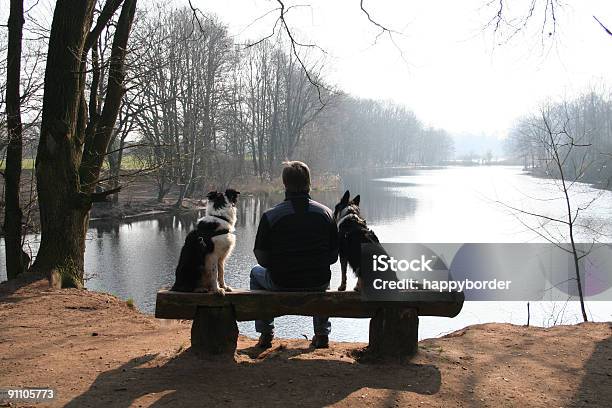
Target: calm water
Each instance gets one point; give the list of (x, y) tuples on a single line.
[(456, 204)]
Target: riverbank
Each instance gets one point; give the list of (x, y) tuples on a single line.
[(95, 350), (142, 209), (138, 198), (604, 184)]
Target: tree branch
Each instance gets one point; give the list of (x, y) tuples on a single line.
[(376, 23), (101, 196), (108, 11), (603, 26)]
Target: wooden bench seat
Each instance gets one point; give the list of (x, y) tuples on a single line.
[(393, 328)]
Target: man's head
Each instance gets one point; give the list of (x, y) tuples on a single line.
[(296, 177)]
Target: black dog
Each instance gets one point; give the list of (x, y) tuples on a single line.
[(352, 232), (198, 244), (201, 264)]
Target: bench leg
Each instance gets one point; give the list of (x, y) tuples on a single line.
[(394, 333), (214, 331)]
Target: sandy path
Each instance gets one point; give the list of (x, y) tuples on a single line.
[(96, 351)]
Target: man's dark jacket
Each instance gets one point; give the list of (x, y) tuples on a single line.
[(296, 241)]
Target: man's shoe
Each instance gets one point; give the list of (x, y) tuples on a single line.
[(320, 341), (265, 340)]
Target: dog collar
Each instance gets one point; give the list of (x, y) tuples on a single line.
[(222, 218), (347, 216)]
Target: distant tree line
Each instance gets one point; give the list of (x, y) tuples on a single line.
[(202, 109), (583, 124), (353, 133)]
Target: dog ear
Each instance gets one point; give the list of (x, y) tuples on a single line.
[(232, 195), (345, 197), (356, 200), (212, 195)]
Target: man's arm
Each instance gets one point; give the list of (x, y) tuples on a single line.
[(262, 246), (333, 243)]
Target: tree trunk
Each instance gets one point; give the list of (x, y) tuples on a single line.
[(62, 219), (163, 186), (570, 219), (61, 259), (65, 177), (16, 259)]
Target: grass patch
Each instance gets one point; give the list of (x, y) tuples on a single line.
[(130, 303), (69, 276), (431, 348), (26, 164), (128, 162)]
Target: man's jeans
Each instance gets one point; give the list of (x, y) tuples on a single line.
[(260, 280)]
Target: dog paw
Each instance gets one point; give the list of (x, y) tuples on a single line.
[(341, 288), (228, 288), (219, 291)]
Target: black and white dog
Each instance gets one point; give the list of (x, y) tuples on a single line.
[(352, 232), (202, 260)]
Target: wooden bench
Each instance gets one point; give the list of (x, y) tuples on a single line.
[(393, 325)]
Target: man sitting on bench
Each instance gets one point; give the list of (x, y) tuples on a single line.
[(297, 241)]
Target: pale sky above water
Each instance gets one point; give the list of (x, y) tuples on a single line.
[(453, 74), (450, 72)]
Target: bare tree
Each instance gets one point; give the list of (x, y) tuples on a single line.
[(508, 18), (16, 259), (182, 88), (590, 115), (508, 22), (72, 146), (117, 147), (3, 77), (566, 156)]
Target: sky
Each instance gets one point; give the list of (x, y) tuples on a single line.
[(443, 63)]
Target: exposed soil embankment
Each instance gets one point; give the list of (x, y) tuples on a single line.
[(96, 351), (141, 209)]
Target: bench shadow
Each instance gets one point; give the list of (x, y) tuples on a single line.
[(595, 388), (283, 377)]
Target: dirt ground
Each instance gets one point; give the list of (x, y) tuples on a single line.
[(94, 350)]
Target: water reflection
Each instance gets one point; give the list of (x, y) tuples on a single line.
[(379, 202)]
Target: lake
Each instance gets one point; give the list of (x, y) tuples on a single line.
[(449, 204)]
